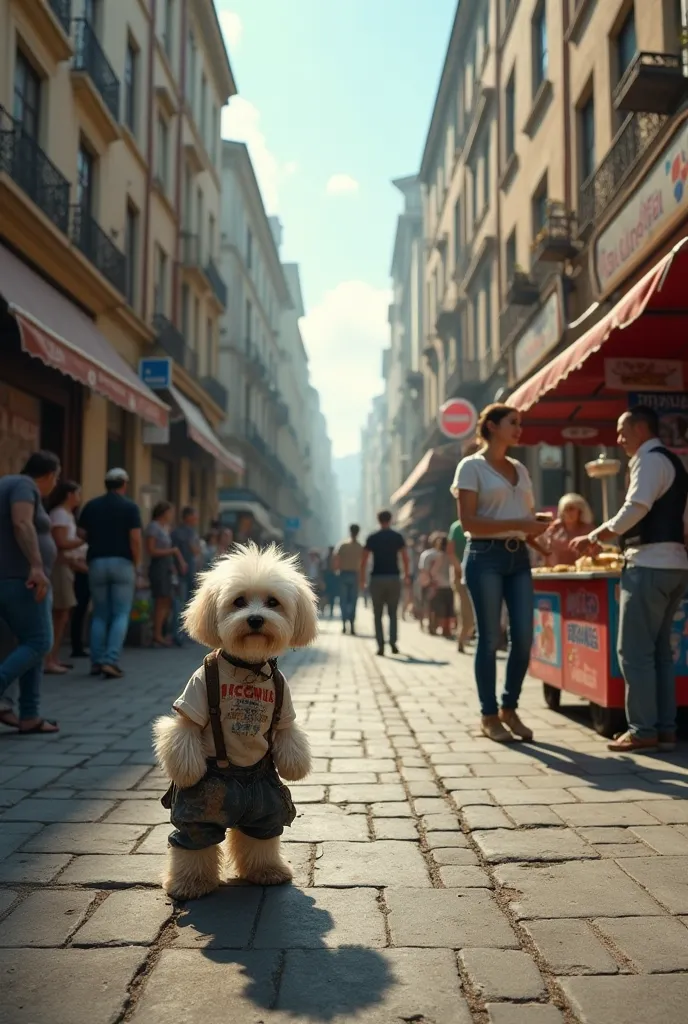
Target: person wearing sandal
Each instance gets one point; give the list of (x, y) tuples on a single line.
[(165, 558), (27, 556), (496, 508), (60, 506)]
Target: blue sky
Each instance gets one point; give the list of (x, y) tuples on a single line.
[(334, 101)]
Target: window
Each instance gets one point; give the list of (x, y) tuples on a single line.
[(540, 52), (186, 296), (487, 306), (586, 122), (162, 152), (131, 237), (510, 256), (211, 236), (249, 322), (510, 114), (27, 96), (476, 324), (131, 60), (209, 345), (199, 221), (475, 199), (191, 64), (203, 124), (215, 130), (249, 248), (486, 170), (160, 286), (85, 175), (540, 208), (168, 34), (196, 324), (458, 239), (626, 44)]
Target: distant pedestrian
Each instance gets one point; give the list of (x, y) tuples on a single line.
[(442, 598), (60, 506), (330, 582), (387, 548), (427, 554), (27, 556), (456, 548), (185, 538), (111, 526), (348, 559), (166, 562)]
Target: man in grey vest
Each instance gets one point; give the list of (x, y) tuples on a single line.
[(651, 527)]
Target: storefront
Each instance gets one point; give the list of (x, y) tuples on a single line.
[(423, 500)]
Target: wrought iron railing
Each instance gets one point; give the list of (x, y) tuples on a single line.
[(90, 58), (630, 143), (171, 340), (654, 61), (191, 249), (218, 392), (88, 236), (216, 282), (25, 162), (62, 9)]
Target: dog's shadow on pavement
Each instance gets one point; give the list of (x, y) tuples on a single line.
[(275, 939)]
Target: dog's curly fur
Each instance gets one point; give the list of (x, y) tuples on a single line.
[(267, 582)]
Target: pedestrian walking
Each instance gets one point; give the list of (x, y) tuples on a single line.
[(387, 547), (165, 562), (27, 556), (442, 600), (111, 526), (456, 549), (651, 527), (348, 558), (425, 584), (330, 582), (496, 509), (186, 539), (60, 506)]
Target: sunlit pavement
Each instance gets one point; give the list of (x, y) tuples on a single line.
[(439, 878)]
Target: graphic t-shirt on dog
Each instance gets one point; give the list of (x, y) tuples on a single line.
[(247, 703)]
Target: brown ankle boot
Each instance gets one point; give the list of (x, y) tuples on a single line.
[(511, 720), (491, 727)]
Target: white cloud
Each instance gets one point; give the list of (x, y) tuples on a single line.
[(291, 167), (341, 184), (241, 123), (345, 335), (232, 29)]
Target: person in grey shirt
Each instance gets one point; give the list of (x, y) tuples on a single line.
[(27, 556), (186, 539)]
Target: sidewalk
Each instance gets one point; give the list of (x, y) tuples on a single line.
[(440, 879)]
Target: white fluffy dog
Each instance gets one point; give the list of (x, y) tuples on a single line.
[(250, 608)]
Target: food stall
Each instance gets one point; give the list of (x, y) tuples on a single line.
[(637, 353)]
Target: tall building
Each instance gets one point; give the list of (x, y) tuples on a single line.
[(109, 206), (375, 490)]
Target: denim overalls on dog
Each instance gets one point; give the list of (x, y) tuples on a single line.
[(252, 800)]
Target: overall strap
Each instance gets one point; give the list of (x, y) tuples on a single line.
[(280, 682), (212, 682)]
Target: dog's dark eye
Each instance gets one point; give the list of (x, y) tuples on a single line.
[(272, 602), (240, 602)]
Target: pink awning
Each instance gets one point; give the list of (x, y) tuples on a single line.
[(58, 333), (200, 431)]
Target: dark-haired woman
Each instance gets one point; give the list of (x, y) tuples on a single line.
[(162, 570), (496, 509), (61, 506)]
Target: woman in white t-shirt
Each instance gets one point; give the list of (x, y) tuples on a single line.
[(496, 509), (60, 506)]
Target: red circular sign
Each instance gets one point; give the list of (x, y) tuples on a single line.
[(457, 418)]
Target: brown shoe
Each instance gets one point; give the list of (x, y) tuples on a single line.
[(511, 720), (626, 743), (494, 730), (666, 742)]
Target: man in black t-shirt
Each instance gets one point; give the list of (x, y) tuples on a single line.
[(111, 526), (386, 546)]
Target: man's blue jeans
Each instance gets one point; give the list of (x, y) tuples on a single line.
[(494, 575), (348, 595), (31, 623), (112, 595), (648, 601)]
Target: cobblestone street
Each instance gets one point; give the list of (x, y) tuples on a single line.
[(440, 878)]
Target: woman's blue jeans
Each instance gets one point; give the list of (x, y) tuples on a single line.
[(496, 575), (30, 621)]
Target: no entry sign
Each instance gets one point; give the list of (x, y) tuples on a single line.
[(457, 418)]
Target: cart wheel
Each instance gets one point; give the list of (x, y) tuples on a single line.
[(607, 721), (552, 696)]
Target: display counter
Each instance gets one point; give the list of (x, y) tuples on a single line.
[(576, 619)]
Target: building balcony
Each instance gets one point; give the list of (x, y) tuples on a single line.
[(216, 282), (171, 340), (88, 236), (653, 83), (51, 20), (23, 160), (635, 137), (555, 242), (257, 441), (256, 367), (218, 392), (95, 82), (522, 289)]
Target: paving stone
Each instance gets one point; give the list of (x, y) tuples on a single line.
[(395, 809), (534, 844), (299, 856), (447, 917), (453, 855), (66, 986), (106, 777), (426, 788), (437, 840), (343, 765), (665, 878), (32, 867), (133, 917), (10, 842), (395, 828), (670, 812), (47, 811), (610, 814), (507, 797), (7, 898), (430, 805), (472, 797), (570, 947), (292, 918), (452, 782), (486, 818), (629, 999), (457, 877), (327, 823), (524, 1013), (10, 797), (380, 863), (82, 838), (662, 838), (616, 851), (367, 794), (156, 841), (502, 974), (330, 779), (441, 822), (138, 812), (110, 870), (223, 920), (36, 778), (45, 918), (656, 945), (532, 817), (573, 889), (607, 835), (591, 795)]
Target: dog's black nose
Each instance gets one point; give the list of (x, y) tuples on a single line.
[(255, 621)]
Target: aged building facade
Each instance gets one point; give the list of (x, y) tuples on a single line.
[(109, 212)]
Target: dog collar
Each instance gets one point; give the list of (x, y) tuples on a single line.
[(251, 666)]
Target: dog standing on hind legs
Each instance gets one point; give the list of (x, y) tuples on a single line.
[(232, 734)]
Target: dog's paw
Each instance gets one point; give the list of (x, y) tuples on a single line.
[(270, 874), (180, 890)]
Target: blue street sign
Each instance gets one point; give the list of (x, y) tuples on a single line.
[(156, 373), (292, 524)]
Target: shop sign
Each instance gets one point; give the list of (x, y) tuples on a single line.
[(635, 374), (585, 642), (156, 372), (579, 433), (672, 409), (662, 195), (540, 337), (152, 434), (547, 630)]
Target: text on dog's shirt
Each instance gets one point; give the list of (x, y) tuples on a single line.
[(247, 704)]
